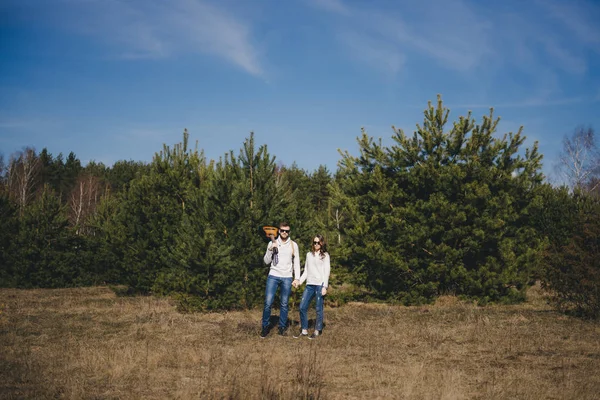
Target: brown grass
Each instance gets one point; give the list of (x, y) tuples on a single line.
[(90, 344)]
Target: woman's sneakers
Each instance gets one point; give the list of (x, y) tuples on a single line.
[(301, 333), (304, 333), (315, 334)]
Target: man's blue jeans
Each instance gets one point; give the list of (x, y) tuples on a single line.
[(311, 291), (285, 285)]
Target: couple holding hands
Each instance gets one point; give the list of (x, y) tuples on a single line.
[(283, 256)]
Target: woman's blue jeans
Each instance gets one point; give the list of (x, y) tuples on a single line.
[(285, 285), (311, 291)]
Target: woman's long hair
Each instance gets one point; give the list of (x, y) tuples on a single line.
[(323, 249)]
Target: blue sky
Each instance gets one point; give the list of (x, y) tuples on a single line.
[(115, 79)]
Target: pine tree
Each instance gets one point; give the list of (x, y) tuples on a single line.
[(571, 273), (9, 228), (150, 212), (45, 249), (252, 194), (216, 261), (122, 173), (440, 212)]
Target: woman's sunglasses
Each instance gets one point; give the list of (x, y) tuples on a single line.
[(316, 242)]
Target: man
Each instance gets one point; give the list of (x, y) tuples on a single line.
[(284, 257)]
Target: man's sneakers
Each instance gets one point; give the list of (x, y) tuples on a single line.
[(300, 334), (264, 332), (315, 334)]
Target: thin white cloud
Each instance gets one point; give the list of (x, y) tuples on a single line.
[(14, 124), (565, 58), (218, 32), (542, 91), (533, 43), (146, 134), (451, 33), (161, 28), (581, 18), (29, 123), (529, 102), (461, 36), (336, 6), (377, 54)]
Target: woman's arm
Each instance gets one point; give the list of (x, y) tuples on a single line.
[(326, 270), (305, 272)]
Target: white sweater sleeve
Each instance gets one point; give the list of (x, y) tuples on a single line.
[(269, 254), (296, 261), (326, 270)]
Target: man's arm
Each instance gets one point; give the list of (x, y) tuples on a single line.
[(269, 254)]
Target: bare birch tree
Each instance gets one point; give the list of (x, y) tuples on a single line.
[(579, 160), (22, 177), (83, 200)]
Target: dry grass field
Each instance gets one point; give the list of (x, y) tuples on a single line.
[(90, 344)]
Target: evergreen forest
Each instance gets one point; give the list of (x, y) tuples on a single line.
[(455, 208)]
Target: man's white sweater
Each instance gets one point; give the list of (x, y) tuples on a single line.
[(284, 266)]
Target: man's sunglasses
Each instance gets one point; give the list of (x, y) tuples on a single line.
[(284, 230)]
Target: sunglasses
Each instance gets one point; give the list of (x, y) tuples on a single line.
[(284, 230), (316, 242)]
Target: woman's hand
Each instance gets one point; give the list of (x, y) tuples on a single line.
[(323, 291)]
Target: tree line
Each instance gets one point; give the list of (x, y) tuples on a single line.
[(447, 210)]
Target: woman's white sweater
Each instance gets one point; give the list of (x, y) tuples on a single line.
[(316, 269)]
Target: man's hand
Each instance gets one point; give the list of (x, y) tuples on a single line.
[(323, 291), (296, 283)]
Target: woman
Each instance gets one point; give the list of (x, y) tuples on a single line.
[(316, 275)]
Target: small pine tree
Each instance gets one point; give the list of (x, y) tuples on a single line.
[(571, 272), (9, 229), (45, 249)]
